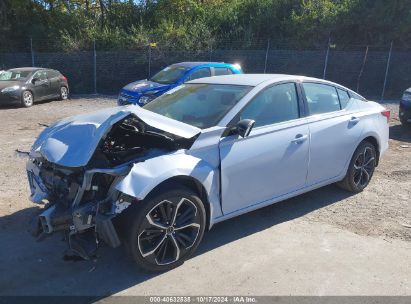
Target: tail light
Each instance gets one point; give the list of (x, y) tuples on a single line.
[(387, 114), (62, 77)]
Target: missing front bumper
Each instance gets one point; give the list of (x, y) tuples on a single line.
[(86, 219)]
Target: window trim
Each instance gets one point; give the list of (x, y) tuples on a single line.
[(348, 94), (301, 110)]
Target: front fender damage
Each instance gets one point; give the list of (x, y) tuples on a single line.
[(81, 201), (145, 176)]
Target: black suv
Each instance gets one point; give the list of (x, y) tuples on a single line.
[(28, 85)]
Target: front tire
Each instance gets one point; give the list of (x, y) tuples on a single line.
[(165, 229), (361, 168), (27, 99)]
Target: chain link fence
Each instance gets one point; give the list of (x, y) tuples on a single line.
[(375, 72)]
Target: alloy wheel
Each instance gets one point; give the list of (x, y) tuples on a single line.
[(27, 98), (364, 167), (63, 93), (168, 231)]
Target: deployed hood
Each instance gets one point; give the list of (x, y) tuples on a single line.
[(71, 142), (143, 86)]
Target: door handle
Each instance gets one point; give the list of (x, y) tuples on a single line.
[(354, 120), (299, 139)]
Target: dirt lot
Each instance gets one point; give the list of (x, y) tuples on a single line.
[(381, 212)]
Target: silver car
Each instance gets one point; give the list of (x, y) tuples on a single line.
[(157, 177)]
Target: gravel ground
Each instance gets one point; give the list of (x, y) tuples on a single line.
[(326, 242), (383, 209)]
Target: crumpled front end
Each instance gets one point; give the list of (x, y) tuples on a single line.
[(74, 174), (81, 203)]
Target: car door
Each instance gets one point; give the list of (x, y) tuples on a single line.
[(54, 79), (273, 159), (335, 128), (41, 85)]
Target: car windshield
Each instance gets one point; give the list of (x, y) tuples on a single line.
[(170, 74), (199, 105), (11, 75)]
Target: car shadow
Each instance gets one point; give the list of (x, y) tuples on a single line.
[(39, 266), (261, 219), (401, 133), (16, 105)]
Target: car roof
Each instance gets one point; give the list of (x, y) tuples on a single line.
[(27, 69), (192, 64), (255, 79)]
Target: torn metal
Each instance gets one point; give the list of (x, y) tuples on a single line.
[(79, 167)]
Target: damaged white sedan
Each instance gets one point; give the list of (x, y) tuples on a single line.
[(156, 178)]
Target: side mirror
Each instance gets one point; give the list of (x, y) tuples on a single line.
[(244, 127), (34, 80)]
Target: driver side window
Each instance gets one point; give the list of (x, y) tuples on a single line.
[(40, 75), (275, 104)]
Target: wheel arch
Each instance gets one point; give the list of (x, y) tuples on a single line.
[(31, 91), (191, 183), (197, 174), (374, 141)]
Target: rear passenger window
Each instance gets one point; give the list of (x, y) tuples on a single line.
[(222, 71), (204, 72), (321, 98), (275, 104), (52, 73), (344, 98)]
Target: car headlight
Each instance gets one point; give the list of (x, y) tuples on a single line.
[(406, 97), (145, 99), (10, 89)]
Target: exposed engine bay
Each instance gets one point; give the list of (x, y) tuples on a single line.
[(81, 202)]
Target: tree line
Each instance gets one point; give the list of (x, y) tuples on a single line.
[(203, 24)]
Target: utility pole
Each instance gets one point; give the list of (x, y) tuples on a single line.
[(326, 57), (95, 66), (386, 72), (362, 69), (149, 60), (266, 55), (31, 51)]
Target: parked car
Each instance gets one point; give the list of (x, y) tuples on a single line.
[(28, 85), (211, 149), (405, 108), (143, 91)]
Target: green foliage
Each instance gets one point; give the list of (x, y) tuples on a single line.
[(202, 24)]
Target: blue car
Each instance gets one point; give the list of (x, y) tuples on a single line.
[(143, 91)]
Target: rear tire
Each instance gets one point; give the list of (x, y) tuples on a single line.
[(361, 168), (165, 229), (27, 99), (63, 93)]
